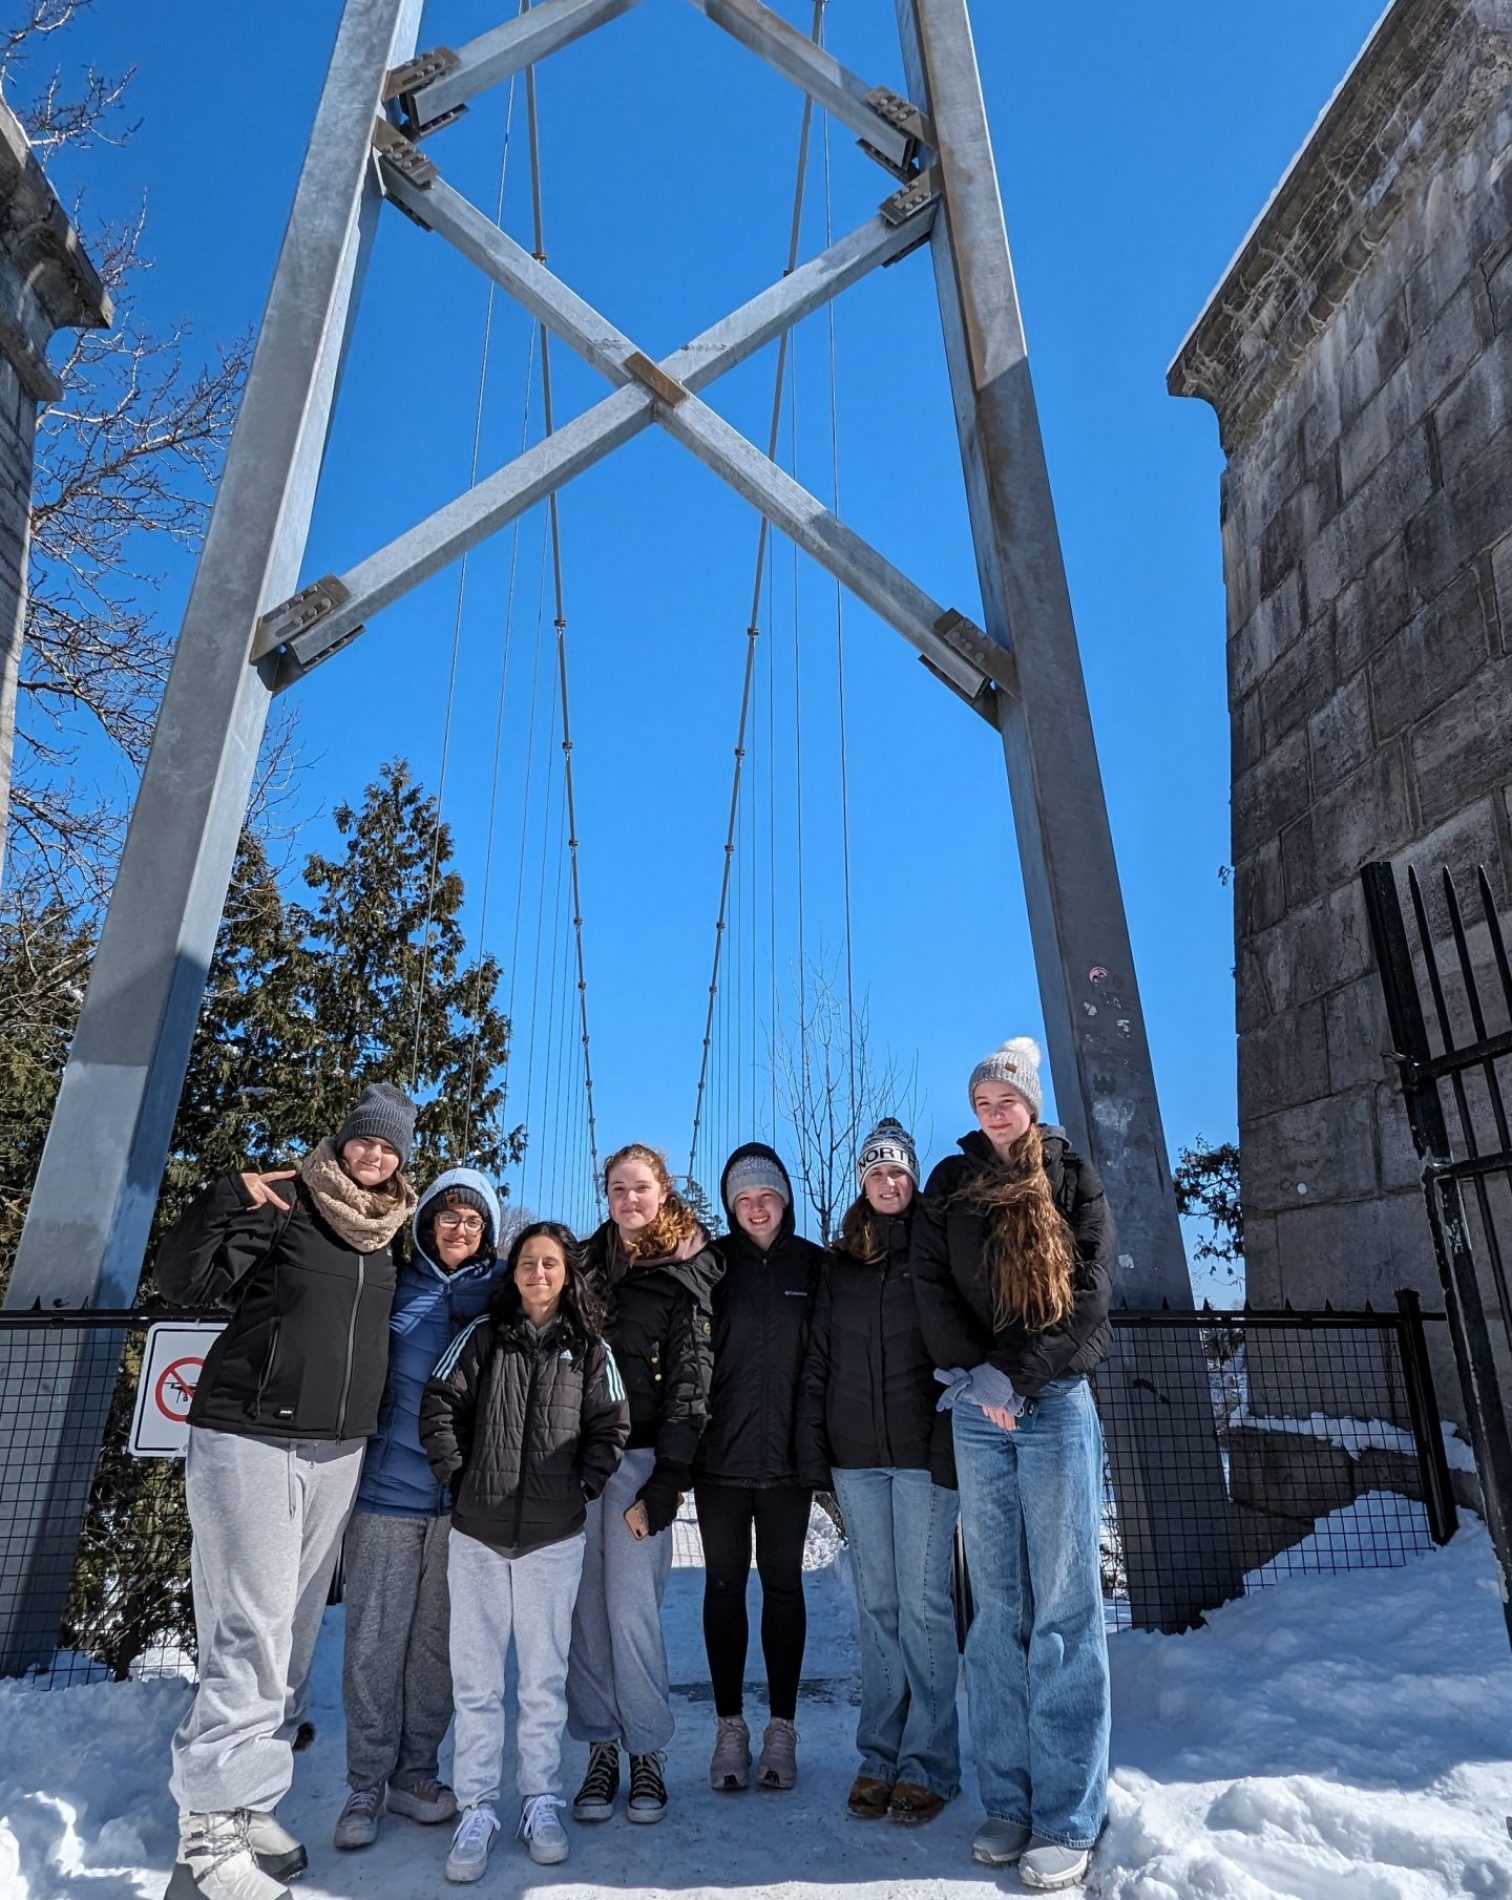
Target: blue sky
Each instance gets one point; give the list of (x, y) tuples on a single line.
[(1135, 146)]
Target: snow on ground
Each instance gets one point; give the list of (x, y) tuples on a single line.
[(1333, 1738)]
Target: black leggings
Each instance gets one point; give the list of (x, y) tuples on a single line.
[(779, 1514)]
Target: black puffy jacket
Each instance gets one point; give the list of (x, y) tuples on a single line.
[(524, 1428), (869, 1390), (305, 1352), (763, 1311), (659, 1326), (950, 1276)]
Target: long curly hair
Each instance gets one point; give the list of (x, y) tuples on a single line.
[(1030, 1252), (674, 1223), (581, 1306)]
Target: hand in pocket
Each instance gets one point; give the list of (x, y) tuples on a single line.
[(638, 1523)]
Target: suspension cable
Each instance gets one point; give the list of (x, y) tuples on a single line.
[(561, 640), (845, 850), (753, 629), (457, 619)]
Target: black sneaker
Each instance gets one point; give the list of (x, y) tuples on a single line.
[(648, 1792), (595, 1799)]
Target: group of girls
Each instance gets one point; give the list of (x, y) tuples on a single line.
[(506, 1444)]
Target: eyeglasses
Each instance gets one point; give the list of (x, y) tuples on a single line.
[(464, 1223)]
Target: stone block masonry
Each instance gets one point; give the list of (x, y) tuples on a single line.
[(1359, 357), (46, 284)]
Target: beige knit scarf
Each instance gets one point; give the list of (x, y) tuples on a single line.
[(365, 1218)]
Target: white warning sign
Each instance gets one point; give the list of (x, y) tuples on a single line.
[(171, 1360)]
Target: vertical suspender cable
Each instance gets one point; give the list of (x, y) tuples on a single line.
[(561, 632), (753, 628)]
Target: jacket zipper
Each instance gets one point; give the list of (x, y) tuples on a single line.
[(346, 1377), (267, 1371), (530, 1392)]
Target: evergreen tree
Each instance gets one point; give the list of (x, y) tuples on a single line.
[(386, 991)]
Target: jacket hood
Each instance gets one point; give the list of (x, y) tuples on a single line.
[(696, 1264), (480, 1184), (761, 1152)]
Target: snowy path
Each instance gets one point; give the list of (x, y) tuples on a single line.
[(1341, 1738)]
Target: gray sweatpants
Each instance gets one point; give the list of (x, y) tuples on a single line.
[(267, 1516), (395, 1677), (617, 1683), (495, 1600)]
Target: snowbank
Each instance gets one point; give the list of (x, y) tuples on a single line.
[(1334, 1738)]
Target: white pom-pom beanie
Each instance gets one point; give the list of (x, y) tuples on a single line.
[(1017, 1064)]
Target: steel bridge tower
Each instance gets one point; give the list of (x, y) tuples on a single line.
[(254, 624)]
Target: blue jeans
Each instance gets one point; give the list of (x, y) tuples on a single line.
[(900, 1527), (1037, 1655)]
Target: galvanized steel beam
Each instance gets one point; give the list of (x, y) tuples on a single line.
[(499, 54)]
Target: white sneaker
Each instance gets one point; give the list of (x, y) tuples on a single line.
[(730, 1765), (541, 1831), (778, 1767), (1048, 1866), (468, 1859), (357, 1823), (215, 1860)]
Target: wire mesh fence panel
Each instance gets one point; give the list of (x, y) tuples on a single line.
[(1322, 1451), (124, 1589)]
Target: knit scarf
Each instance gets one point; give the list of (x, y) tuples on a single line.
[(365, 1218)]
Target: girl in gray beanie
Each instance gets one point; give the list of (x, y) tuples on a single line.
[(1013, 1258)]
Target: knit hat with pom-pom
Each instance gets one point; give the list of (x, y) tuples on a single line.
[(1017, 1064)]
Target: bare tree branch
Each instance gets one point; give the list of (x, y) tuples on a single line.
[(56, 116)]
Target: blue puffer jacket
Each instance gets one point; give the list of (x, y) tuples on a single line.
[(430, 1309)]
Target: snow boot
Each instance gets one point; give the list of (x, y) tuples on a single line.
[(730, 1766), (274, 1848), (1048, 1866), (215, 1861), (357, 1823), (868, 1798), (648, 1791), (778, 1767), (913, 1804), (541, 1831), (427, 1802), (999, 1843), (595, 1799), (468, 1859)]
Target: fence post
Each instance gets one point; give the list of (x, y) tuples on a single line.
[(1427, 1428)]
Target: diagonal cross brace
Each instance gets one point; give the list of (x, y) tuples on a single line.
[(948, 641), (889, 127), (462, 524)]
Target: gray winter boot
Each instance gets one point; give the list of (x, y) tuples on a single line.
[(215, 1861), (730, 1765), (778, 1767)]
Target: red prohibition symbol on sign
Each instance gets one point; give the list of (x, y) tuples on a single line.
[(175, 1388)]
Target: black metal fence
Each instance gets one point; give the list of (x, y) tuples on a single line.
[(1448, 992), (1325, 1423)]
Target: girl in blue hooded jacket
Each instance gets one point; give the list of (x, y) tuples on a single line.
[(396, 1682)]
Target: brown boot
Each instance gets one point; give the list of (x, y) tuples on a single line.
[(912, 1805), (868, 1798)]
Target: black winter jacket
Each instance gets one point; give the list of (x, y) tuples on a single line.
[(524, 1428), (950, 1278), (763, 1312), (869, 1390), (305, 1352), (660, 1329)]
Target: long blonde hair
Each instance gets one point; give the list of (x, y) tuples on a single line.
[(1030, 1253), (675, 1221)]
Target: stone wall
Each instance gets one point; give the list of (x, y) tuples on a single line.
[(46, 284), (1359, 357)]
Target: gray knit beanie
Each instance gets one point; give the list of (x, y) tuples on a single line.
[(752, 1172), (889, 1145), (383, 1113), (1017, 1064)]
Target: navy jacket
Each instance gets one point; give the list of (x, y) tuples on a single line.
[(430, 1310)]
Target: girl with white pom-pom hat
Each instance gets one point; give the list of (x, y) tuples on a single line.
[(1013, 1257)]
